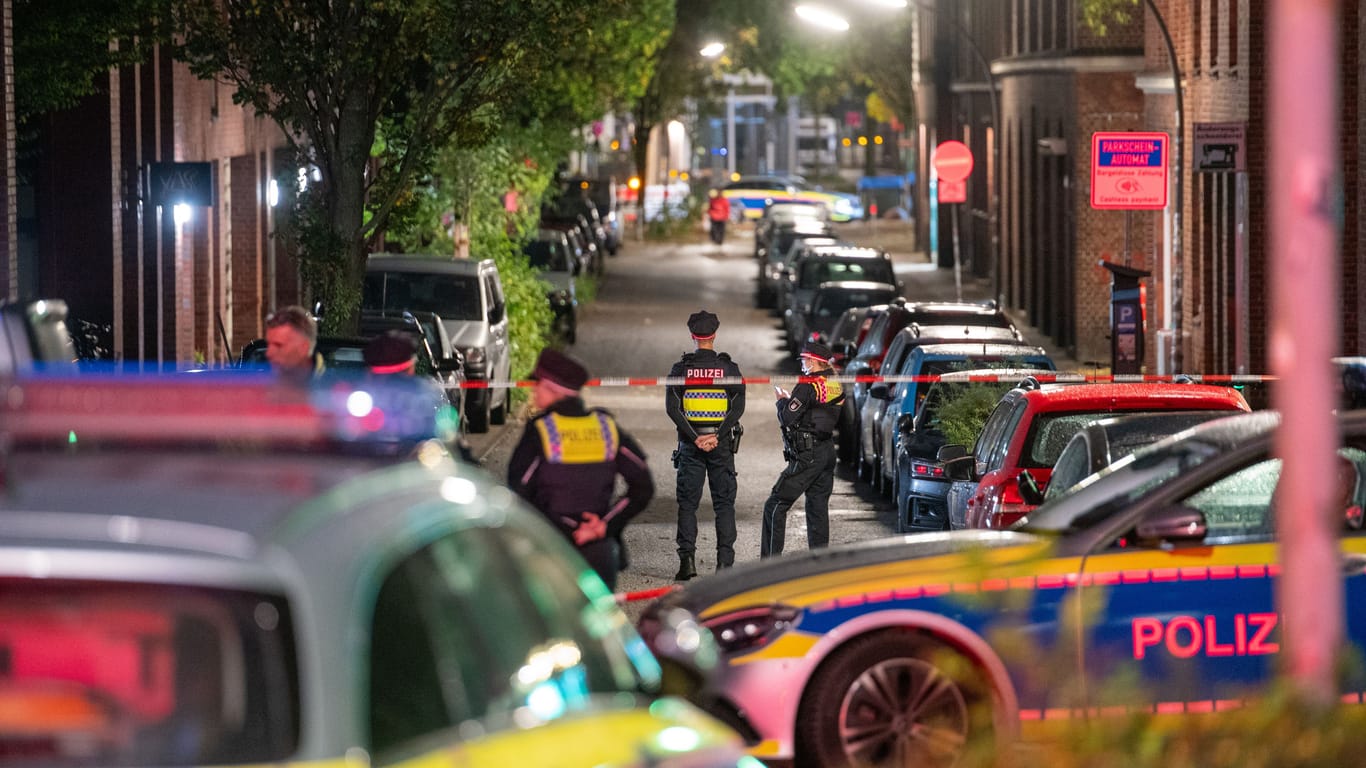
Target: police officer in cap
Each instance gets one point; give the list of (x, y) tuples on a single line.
[(567, 462), (707, 415), (808, 415)]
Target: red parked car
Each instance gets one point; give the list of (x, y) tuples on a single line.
[(1032, 423)]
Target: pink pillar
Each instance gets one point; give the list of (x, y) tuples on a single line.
[(1305, 208)]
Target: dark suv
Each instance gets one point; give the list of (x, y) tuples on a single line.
[(829, 264)]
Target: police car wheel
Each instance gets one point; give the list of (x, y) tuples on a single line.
[(893, 698)]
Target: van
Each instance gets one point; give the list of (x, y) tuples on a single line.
[(468, 295)]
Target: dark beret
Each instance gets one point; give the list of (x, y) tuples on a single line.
[(817, 350), (390, 350), (703, 324), (558, 368)]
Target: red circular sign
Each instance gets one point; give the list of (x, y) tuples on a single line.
[(952, 161)]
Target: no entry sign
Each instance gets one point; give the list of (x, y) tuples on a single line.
[(1129, 170), (952, 161)]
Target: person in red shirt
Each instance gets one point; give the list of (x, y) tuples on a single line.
[(718, 210)]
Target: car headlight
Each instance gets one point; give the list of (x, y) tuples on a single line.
[(750, 629), (475, 355)]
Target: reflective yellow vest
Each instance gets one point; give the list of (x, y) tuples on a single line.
[(589, 439)]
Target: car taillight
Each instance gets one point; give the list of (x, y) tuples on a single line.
[(925, 469), (1004, 506)]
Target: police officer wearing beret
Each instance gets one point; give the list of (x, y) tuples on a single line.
[(707, 415), (567, 462), (807, 415)]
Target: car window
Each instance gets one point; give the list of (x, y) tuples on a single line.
[(539, 643), (495, 298), (144, 674), (454, 297), (1238, 506), (1049, 434), (872, 343), (1073, 464), (815, 272), (829, 304), (996, 455)]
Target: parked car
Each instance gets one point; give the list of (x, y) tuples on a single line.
[(468, 295), (867, 359), (223, 570), (775, 255), (887, 400), (1031, 425), (580, 214), (959, 396), (1105, 441), (849, 330), (34, 334), (830, 302), (437, 356), (602, 191), (1154, 584), (786, 213), (816, 266), (550, 253)]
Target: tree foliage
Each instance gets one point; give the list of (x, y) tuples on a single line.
[(337, 74), (62, 48), (1100, 14)]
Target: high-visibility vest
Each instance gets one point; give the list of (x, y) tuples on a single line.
[(705, 405), (588, 439)]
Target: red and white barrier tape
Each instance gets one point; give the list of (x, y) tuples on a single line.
[(1064, 377), (644, 594)]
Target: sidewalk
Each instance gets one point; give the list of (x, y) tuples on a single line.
[(926, 282)]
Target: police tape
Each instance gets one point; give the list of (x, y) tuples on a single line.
[(1061, 377), (644, 594)]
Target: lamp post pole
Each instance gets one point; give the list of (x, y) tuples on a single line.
[(1173, 273)]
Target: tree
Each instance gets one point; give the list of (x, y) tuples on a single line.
[(62, 46), (338, 74)]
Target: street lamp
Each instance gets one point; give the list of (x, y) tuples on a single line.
[(712, 50), (821, 17)]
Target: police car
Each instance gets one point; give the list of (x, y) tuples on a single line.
[(1147, 588), (222, 570), (750, 195)]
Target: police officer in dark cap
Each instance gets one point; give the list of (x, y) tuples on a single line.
[(393, 351), (567, 463), (808, 415), (707, 414)]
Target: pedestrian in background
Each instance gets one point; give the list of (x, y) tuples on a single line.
[(808, 416), (707, 415), (568, 460), (291, 341), (718, 211)]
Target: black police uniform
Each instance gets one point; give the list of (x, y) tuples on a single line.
[(697, 409), (566, 466), (808, 419)]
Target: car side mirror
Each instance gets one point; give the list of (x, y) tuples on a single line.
[(880, 391), (951, 452), (1030, 491), (905, 422), (1173, 524)]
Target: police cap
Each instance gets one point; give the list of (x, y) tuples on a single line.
[(393, 351), (703, 324), (560, 369), (817, 351)]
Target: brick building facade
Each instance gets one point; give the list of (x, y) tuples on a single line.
[(1059, 81), (172, 291)]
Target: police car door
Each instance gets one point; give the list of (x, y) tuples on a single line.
[(1174, 624)]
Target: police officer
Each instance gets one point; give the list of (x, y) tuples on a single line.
[(567, 463), (707, 415), (807, 415)]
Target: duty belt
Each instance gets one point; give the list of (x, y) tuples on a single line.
[(710, 430)]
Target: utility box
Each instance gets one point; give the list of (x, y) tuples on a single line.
[(1126, 318)]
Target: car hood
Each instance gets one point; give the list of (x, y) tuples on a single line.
[(467, 333), (800, 578)]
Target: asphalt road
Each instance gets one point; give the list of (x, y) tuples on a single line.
[(637, 328)]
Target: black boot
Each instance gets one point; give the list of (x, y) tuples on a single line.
[(686, 569)]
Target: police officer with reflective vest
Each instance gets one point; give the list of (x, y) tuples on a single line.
[(808, 416), (567, 463), (707, 415)]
